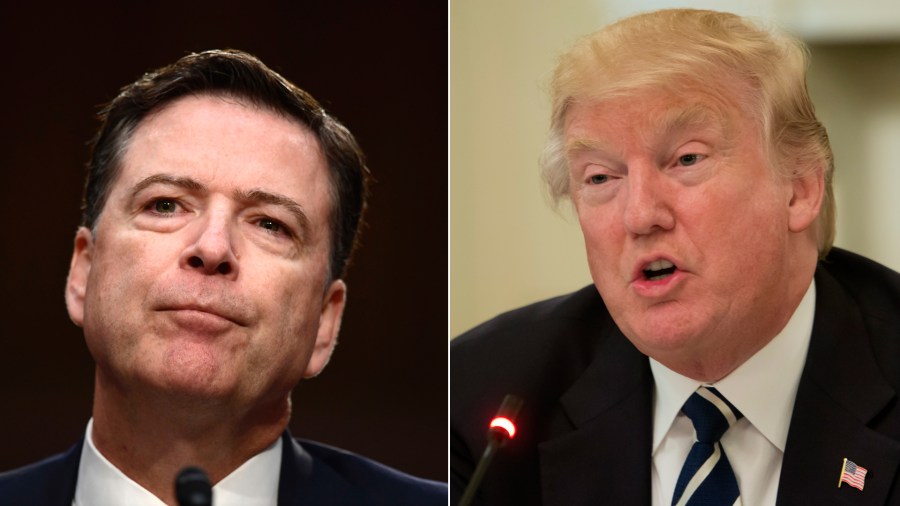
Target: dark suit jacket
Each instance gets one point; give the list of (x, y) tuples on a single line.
[(585, 429), (311, 474)]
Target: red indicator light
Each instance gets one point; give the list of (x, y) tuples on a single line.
[(505, 424)]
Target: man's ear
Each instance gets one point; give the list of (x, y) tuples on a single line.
[(807, 192), (79, 268), (329, 326)]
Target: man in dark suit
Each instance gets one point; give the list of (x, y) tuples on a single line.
[(726, 354), (221, 208)]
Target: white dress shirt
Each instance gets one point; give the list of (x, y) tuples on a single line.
[(763, 388), (254, 483)]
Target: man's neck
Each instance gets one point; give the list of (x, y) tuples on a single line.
[(152, 440)]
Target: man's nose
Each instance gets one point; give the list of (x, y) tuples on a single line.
[(212, 249), (647, 201)]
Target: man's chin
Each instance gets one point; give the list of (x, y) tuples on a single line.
[(655, 336), (201, 376)]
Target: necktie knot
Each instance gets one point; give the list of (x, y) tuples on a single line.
[(710, 413)]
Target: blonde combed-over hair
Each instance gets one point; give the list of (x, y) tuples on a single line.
[(699, 48)]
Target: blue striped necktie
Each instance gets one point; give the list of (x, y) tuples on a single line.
[(707, 478)]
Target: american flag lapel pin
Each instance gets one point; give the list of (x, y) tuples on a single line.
[(853, 475)]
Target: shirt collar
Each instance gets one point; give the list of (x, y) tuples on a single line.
[(254, 483), (763, 388)]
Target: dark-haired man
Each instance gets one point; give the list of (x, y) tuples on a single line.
[(221, 207)]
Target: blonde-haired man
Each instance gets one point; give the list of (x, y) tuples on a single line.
[(725, 352)]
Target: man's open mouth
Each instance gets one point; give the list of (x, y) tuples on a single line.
[(659, 269)]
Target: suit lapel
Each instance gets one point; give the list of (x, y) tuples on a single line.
[(51, 482), (64, 491), (841, 393), (601, 453), (296, 471), (306, 479)]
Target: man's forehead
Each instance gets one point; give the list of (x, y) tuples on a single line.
[(205, 117), (597, 125), (191, 108), (219, 137)]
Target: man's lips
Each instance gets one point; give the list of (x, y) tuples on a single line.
[(659, 269), (208, 310), (657, 277), (654, 268)]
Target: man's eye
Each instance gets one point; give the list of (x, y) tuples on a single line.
[(164, 206), (689, 159), (273, 226), (599, 178)]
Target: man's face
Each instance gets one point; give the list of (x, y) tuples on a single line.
[(687, 229), (206, 274)]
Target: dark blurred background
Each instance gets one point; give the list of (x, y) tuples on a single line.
[(380, 67)]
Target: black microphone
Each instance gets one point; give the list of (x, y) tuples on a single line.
[(192, 487), (501, 429)]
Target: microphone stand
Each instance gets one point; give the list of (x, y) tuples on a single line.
[(502, 429)]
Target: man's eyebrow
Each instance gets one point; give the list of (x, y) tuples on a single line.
[(259, 196), (167, 179), (255, 195), (672, 121), (696, 115), (584, 145), (576, 145)]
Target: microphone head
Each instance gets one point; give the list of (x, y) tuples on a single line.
[(503, 426), (192, 487)]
